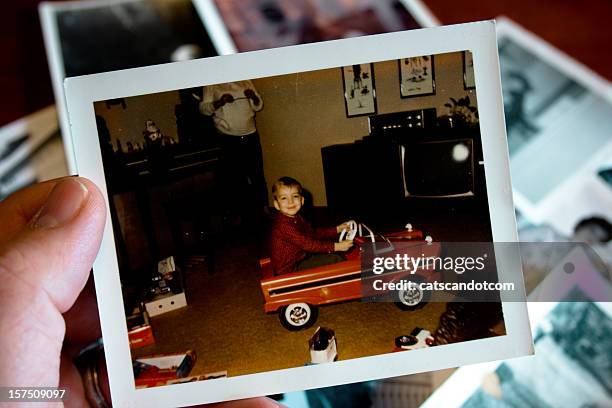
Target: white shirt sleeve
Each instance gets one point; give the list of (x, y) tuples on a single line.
[(206, 106)]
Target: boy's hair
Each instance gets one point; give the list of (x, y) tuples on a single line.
[(287, 182)]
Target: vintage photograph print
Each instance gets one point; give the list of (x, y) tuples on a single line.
[(137, 33), (248, 25), (243, 196), (550, 98), (575, 366)]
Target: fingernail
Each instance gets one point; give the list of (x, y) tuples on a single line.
[(62, 205), (270, 402)]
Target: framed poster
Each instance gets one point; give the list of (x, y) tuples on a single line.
[(417, 76), (359, 90), (468, 71)]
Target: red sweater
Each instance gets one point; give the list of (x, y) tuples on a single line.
[(292, 238)]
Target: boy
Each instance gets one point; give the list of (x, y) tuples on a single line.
[(294, 244)]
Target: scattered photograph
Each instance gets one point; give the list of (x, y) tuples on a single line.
[(137, 33), (558, 124), (30, 151), (571, 368), (259, 24), (572, 324)]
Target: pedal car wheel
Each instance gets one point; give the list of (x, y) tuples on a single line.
[(412, 298), (297, 316)]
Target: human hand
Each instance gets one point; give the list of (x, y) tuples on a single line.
[(343, 246), (345, 226), (49, 238), (227, 98), (249, 93)]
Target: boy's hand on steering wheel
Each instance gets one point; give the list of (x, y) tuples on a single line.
[(343, 227), (343, 246)]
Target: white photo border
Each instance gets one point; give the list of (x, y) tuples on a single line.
[(478, 37)]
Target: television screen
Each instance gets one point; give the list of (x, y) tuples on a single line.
[(438, 168)]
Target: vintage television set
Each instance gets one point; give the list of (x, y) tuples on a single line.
[(406, 156), (442, 168), (434, 161)]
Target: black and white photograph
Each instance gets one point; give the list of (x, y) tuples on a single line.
[(571, 319), (143, 33), (137, 33), (551, 102), (571, 367), (30, 151), (533, 89)]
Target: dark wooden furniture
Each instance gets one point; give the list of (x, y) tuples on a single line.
[(170, 199), (366, 178)]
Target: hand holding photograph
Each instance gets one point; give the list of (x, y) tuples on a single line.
[(242, 219)]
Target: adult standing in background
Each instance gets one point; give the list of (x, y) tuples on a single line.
[(233, 107)]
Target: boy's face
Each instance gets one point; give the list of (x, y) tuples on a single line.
[(288, 200)]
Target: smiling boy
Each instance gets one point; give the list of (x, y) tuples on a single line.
[(294, 244)]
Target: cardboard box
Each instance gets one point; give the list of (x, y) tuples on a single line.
[(166, 303), (140, 332)]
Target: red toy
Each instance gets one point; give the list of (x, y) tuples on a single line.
[(163, 369), (296, 295), (140, 333)]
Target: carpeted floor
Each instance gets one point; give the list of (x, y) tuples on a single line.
[(226, 325)]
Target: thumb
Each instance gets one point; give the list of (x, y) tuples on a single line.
[(42, 270), (55, 251)]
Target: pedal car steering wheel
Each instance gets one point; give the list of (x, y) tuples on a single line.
[(350, 233)]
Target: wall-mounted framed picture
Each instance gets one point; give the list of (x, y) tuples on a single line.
[(468, 71), (359, 90), (417, 76)]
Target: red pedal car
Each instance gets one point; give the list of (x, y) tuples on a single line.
[(296, 295)]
